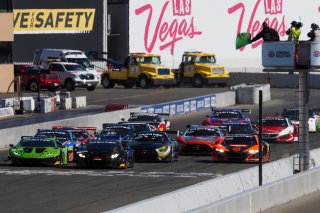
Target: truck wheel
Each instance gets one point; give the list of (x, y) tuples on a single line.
[(143, 82), (106, 82), (69, 85), (198, 81), (91, 88), (33, 86)]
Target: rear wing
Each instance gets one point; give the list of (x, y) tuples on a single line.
[(242, 110), (138, 113), (105, 125)]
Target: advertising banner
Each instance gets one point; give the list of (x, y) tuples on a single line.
[(59, 24), (183, 106), (170, 27), (278, 54)]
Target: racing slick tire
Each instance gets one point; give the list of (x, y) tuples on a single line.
[(197, 81), (91, 88), (143, 82), (15, 162), (107, 82), (69, 84), (33, 86)]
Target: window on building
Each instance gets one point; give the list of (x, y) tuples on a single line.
[(5, 6), (5, 52)]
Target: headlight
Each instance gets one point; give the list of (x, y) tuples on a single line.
[(114, 155), (49, 154), (285, 132), (220, 150), (16, 153), (253, 151), (162, 149), (81, 154)]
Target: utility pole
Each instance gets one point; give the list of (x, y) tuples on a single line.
[(304, 146)]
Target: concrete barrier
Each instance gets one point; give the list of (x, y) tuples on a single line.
[(249, 93), (79, 102), (28, 103), (277, 193), (9, 102), (65, 103), (6, 111), (212, 191), (13, 135), (47, 105), (225, 99)]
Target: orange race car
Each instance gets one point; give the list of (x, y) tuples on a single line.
[(240, 148), (199, 139)]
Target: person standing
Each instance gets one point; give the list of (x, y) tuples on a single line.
[(311, 34), (267, 33), (294, 32)]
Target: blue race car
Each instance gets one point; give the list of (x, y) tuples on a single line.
[(220, 116)]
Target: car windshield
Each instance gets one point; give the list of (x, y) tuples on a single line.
[(37, 143), (103, 145), (225, 114), (143, 118), (150, 138), (274, 122), (149, 60), (117, 131), (74, 67), (248, 141), (84, 62), (243, 128), (80, 134), (202, 132), (60, 136), (205, 59)]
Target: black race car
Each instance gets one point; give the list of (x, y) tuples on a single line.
[(153, 146), (156, 120), (100, 152)]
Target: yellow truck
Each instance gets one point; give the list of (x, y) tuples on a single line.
[(140, 69), (198, 69)]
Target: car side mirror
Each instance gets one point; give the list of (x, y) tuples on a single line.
[(11, 145), (207, 116)]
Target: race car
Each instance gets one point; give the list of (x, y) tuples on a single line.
[(117, 132), (293, 114), (240, 148), (234, 127), (82, 135), (91, 130), (279, 129), (137, 127), (154, 146), (199, 139), (63, 136), (219, 116), (38, 150), (108, 153), (156, 120)]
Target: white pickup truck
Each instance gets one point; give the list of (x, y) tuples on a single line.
[(73, 75)]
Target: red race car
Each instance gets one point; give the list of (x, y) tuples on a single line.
[(279, 129), (241, 148), (199, 139)]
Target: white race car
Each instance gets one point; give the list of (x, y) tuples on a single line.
[(293, 114)]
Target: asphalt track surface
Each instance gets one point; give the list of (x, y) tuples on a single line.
[(47, 189)]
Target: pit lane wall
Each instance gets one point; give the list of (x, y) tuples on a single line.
[(13, 135), (237, 192)]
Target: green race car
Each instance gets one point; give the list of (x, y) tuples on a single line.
[(35, 150)]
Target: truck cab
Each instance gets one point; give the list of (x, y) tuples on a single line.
[(140, 69), (73, 75), (198, 68), (43, 57), (34, 78)]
